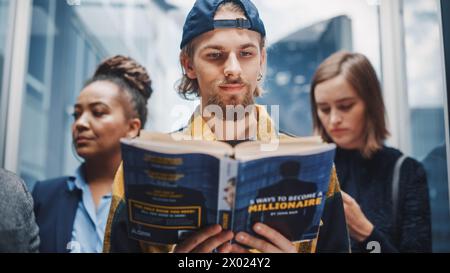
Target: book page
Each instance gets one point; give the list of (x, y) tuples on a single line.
[(295, 146), (227, 192), (173, 144)]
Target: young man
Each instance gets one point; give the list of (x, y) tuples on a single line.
[(223, 56)]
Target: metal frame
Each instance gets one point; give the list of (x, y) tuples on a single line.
[(14, 83), (445, 32), (394, 73), (4, 88)]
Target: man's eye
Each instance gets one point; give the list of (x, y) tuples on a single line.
[(214, 55), (246, 54), (98, 113)]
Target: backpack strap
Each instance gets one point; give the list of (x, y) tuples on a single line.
[(395, 191)]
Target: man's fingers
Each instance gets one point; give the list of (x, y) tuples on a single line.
[(214, 242), (253, 242), (197, 238), (235, 248), (225, 248), (274, 237)]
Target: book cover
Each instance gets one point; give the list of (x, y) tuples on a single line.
[(173, 189)]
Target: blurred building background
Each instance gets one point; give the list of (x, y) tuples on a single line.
[(49, 48)]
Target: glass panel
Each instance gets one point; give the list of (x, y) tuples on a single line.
[(4, 12), (300, 45), (67, 41), (426, 97), (41, 29), (57, 68)]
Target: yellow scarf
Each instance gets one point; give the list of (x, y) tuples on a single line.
[(199, 129)]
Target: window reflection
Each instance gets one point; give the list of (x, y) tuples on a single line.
[(426, 98), (4, 11), (297, 48), (61, 56), (292, 62)]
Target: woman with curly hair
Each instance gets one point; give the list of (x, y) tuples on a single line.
[(72, 212)]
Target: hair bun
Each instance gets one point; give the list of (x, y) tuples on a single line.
[(134, 74)]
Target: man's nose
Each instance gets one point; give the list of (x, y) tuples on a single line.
[(232, 66)]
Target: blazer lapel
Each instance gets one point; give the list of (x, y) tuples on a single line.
[(66, 216)]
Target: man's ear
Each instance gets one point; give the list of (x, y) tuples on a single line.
[(188, 66), (263, 59), (134, 128)]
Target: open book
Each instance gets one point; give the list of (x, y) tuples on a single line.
[(174, 187)]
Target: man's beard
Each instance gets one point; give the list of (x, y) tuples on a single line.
[(239, 109), (244, 99)]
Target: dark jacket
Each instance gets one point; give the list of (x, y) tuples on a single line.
[(55, 206), (369, 182), (18, 229)]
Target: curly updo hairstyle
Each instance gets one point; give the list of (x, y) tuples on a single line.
[(130, 77)]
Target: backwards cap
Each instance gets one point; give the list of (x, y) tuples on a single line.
[(201, 19)]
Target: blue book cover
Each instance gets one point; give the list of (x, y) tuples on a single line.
[(173, 188)]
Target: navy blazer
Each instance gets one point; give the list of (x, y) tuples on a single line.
[(55, 207)]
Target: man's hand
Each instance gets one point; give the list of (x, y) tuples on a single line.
[(275, 243), (359, 226), (206, 240)]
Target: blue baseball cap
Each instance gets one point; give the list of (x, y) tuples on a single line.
[(201, 19)]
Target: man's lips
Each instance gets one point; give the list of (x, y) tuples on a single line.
[(235, 87)]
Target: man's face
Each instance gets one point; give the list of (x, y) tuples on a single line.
[(227, 63)]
